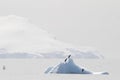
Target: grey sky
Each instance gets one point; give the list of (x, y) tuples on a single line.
[(93, 23)]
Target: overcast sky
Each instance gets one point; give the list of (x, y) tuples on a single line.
[(94, 23)]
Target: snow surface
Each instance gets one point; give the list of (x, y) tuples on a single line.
[(21, 39), (69, 67)]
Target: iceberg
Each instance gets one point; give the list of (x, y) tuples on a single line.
[(69, 67)]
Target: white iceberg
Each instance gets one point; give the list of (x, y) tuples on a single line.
[(69, 67), (21, 39)]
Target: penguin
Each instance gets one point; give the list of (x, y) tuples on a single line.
[(69, 56), (65, 59), (82, 70), (4, 67)]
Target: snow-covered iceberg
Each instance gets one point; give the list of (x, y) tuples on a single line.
[(69, 67), (21, 39)]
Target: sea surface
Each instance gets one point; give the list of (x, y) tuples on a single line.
[(33, 69)]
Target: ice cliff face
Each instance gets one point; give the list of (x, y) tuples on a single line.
[(21, 39)]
